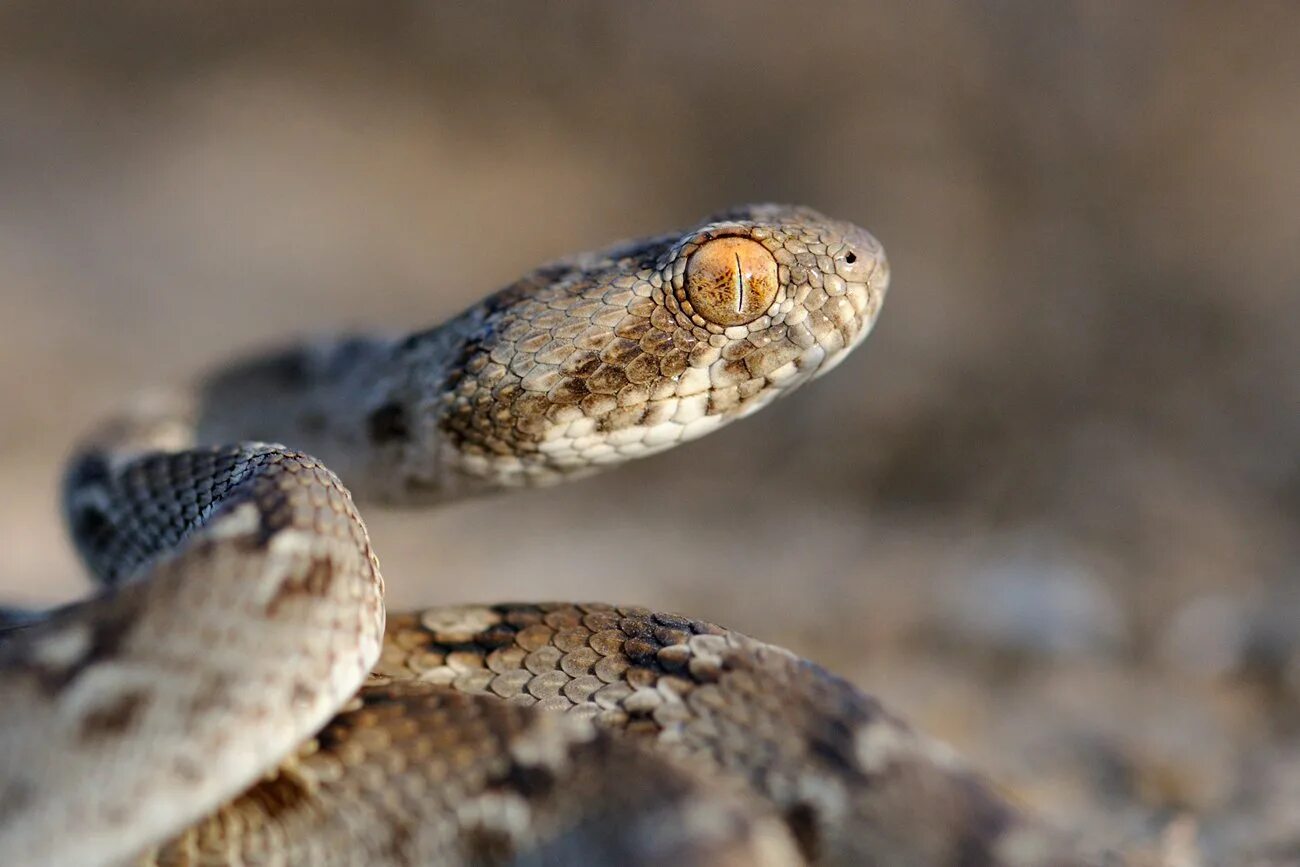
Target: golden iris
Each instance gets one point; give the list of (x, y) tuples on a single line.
[(731, 281)]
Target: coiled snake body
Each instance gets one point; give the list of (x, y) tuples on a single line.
[(233, 696)]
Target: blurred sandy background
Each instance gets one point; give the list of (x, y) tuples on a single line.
[(1050, 510)]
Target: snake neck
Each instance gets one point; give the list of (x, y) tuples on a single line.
[(343, 399)]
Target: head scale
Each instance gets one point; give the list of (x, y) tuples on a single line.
[(630, 350)]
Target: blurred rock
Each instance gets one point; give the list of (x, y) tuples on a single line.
[(1028, 596), (1207, 636)]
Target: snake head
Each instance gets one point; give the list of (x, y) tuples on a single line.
[(781, 293), (648, 344)]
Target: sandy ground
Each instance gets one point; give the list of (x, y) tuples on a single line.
[(1049, 511)]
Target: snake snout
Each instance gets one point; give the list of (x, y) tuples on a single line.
[(837, 286)]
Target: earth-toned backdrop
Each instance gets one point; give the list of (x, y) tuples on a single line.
[(1049, 511)]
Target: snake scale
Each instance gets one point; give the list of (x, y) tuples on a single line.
[(232, 693)]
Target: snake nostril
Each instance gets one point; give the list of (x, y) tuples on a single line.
[(851, 258)]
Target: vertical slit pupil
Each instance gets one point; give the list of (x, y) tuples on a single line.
[(740, 285)]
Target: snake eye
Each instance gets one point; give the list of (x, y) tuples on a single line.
[(731, 281)]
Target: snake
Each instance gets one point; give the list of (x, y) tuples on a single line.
[(234, 692)]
